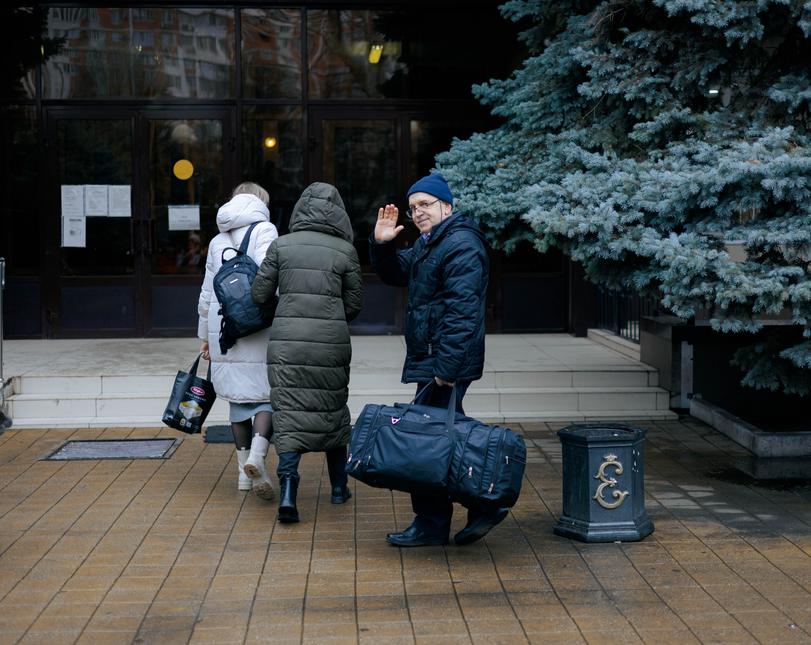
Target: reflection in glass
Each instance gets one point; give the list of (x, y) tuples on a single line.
[(360, 160), (271, 53), (19, 234), (339, 44), (357, 53), (429, 138), (23, 48), (97, 152), (278, 168), (201, 143), (140, 52)]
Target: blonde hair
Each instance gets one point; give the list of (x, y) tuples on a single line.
[(252, 189)]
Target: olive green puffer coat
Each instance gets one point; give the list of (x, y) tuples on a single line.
[(317, 272)]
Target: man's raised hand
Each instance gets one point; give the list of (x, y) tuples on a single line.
[(386, 228)]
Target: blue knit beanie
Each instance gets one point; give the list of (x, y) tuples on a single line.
[(433, 184)]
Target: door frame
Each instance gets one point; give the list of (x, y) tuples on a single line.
[(51, 222), (227, 115), (142, 280), (316, 115)]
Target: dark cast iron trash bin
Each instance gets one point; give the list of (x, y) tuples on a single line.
[(603, 483)]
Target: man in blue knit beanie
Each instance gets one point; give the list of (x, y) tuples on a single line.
[(446, 272)]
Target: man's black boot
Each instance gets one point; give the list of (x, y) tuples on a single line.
[(478, 525), (340, 494), (414, 536), (288, 487)]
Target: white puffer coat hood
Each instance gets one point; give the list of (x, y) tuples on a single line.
[(240, 211), (241, 374)]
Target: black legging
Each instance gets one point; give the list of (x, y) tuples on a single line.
[(245, 430)]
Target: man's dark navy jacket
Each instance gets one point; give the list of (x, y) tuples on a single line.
[(447, 278)]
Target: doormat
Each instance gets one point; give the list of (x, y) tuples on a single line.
[(218, 434), (114, 449)]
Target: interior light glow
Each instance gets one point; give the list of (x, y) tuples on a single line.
[(375, 52)]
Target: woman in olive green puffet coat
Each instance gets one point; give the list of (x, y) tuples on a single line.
[(316, 270)]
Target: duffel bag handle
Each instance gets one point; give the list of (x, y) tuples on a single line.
[(451, 404)]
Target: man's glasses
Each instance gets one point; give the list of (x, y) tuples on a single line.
[(411, 211)]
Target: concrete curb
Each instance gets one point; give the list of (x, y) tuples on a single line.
[(758, 442), (617, 343)]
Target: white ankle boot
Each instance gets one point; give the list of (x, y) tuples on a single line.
[(257, 470), (244, 482)]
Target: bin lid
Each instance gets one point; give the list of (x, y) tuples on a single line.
[(600, 432)]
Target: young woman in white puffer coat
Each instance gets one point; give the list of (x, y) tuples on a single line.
[(240, 376)]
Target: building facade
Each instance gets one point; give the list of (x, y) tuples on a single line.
[(125, 127)]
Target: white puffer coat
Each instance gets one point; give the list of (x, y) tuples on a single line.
[(240, 375)]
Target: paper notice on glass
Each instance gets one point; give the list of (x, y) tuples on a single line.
[(119, 201), (95, 201), (73, 231), (184, 218), (72, 201)]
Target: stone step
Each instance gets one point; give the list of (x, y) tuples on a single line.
[(539, 403), (493, 417), (64, 387)]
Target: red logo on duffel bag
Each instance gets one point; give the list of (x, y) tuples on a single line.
[(198, 390)]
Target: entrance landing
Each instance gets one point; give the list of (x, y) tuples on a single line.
[(126, 382)]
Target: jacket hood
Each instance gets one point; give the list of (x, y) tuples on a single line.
[(456, 221), (241, 210), (320, 208)]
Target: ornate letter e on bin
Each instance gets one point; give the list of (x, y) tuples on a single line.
[(603, 483)]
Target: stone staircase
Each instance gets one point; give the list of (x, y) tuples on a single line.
[(527, 377)]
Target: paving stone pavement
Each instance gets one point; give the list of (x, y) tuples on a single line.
[(168, 551)]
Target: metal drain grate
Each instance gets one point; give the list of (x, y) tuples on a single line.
[(118, 449)]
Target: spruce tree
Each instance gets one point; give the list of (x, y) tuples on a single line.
[(646, 138)]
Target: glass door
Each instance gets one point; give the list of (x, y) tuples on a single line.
[(360, 154), (189, 176), (93, 248), (134, 196)]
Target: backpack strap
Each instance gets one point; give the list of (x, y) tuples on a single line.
[(243, 247), (246, 240)]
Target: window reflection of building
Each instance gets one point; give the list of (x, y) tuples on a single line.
[(182, 53), (271, 53), (339, 42)]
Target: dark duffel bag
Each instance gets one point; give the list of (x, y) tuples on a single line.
[(487, 466), (405, 447)]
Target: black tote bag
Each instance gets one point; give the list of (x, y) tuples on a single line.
[(190, 401)]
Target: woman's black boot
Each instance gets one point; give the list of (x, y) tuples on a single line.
[(336, 464), (288, 487)]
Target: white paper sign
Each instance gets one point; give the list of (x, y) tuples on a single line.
[(184, 218), (73, 231), (95, 201), (72, 201), (119, 201)]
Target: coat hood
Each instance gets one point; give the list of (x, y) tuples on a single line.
[(457, 221), (320, 208), (241, 210)]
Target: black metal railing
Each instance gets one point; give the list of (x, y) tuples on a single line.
[(620, 312)]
